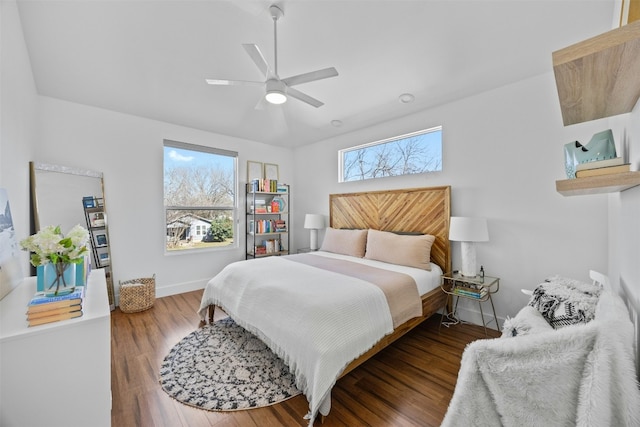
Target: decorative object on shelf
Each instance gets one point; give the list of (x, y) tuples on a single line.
[(468, 231), (271, 171), (57, 253), (254, 170), (600, 147), (282, 204), (314, 222)]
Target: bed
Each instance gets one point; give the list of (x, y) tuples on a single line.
[(325, 313)]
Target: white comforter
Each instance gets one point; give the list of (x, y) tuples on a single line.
[(291, 317)]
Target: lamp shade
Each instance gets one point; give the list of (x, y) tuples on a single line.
[(314, 221), (465, 229)]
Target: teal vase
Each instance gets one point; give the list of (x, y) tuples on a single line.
[(59, 279)]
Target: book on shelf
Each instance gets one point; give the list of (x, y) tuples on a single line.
[(55, 318), (40, 298), (53, 312), (63, 305), (263, 186), (470, 292), (616, 161), (267, 226), (607, 170)]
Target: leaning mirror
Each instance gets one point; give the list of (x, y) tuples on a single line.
[(68, 196)]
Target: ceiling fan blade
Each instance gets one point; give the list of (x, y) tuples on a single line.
[(310, 77), (233, 82), (258, 59), (304, 97)]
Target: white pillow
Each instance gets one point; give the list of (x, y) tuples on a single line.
[(346, 242), (410, 250)]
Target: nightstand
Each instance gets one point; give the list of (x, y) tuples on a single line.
[(475, 288)]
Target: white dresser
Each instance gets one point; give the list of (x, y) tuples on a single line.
[(57, 374)]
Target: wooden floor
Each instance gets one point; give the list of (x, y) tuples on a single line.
[(408, 384)]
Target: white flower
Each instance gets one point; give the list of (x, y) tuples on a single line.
[(50, 245)]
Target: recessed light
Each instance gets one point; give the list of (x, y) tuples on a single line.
[(336, 123), (406, 98)]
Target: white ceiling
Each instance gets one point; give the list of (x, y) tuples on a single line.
[(150, 58)]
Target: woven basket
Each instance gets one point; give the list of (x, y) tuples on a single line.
[(137, 294)]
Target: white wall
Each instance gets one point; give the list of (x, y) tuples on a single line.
[(502, 153), (624, 216), (18, 119), (128, 150)]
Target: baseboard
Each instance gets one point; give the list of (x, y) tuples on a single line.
[(178, 288)]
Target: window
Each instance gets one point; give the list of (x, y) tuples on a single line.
[(417, 152), (199, 196)]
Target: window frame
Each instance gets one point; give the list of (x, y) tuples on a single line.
[(167, 143)]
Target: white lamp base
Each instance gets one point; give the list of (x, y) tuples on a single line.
[(314, 240), (468, 259)]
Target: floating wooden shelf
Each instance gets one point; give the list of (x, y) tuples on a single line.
[(599, 77), (598, 184)]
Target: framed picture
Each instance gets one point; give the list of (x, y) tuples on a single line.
[(271, 171), (254, 170), (101, 239), (88, 202), (10, 260), (104, 258)]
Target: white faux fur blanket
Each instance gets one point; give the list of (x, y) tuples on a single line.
[(581, 375)]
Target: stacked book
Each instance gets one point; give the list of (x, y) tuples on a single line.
[(470, 292), (42, 309), (602, 167)]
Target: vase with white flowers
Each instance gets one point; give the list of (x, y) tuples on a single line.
[(58, 255)]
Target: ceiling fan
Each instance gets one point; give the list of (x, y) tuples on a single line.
[(278, 89)]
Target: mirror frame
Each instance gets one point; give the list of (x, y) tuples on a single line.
[(36, 216)]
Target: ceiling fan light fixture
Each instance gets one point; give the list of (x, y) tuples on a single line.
[(275, 92)]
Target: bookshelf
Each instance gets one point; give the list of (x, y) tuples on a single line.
[(598, 184), (598, 78), (96, 217), (267, 219)]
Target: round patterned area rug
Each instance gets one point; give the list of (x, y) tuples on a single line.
[(222, 367)]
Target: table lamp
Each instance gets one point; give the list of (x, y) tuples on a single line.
[(468, 231), (314, 222)]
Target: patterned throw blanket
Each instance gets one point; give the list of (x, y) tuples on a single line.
[(316, 318)]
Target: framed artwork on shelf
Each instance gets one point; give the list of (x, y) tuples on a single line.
[(88, 201), (101, 239), (104, 258), (271, 171), (254, 170)]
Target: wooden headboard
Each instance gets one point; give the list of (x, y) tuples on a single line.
[(418, 210)]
